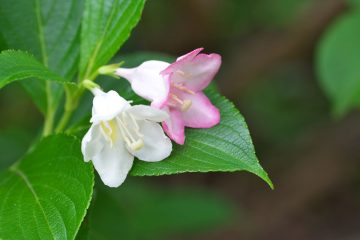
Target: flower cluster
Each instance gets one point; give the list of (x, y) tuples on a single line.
[(120, 131)]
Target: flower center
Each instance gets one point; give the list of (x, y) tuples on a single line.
[(127, 128), (185, 104), (130, 131)]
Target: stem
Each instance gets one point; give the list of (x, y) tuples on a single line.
[(50, 112), (64, 121), (49, 118), (72, 101), (48, 125)]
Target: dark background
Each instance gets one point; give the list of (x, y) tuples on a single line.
[(268, 49)]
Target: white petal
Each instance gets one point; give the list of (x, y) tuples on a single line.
[(113, 164), (107, 105), (147, 82), (92, 143), (146, 112), (156, 145)]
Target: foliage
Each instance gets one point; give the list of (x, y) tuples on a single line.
[(17, 65), (50, 31), (51, 186), (105, 27), (338, 62), (226, 147)]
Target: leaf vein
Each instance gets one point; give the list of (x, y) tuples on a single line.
[(23, 177)]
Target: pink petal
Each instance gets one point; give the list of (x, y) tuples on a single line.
[(202, 113), (174, 126), (184, 58), (194, 72), (190, 55)]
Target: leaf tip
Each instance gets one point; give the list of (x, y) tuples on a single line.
[(266, 178)]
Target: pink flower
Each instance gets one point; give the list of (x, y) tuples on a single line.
[(178, 89)]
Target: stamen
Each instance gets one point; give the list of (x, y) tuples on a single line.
[(136, 146), (126, 139), (171, 104), (108, 129), (126, 131), (132, 136), (133, 120), (183, 74), (185, 104), (136, 127), (183, 88), (176, 98)]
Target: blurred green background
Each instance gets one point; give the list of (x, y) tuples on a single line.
[(269, 49)]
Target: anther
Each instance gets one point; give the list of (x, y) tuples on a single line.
[(137, 145), (185, 104)]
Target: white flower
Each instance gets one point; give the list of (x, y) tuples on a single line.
[(119, 132)]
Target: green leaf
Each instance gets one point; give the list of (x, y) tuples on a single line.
[(105, 27), (225, 147), (143, 211), (17, 65), (46, 194), (338, 62), (50, 30)]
